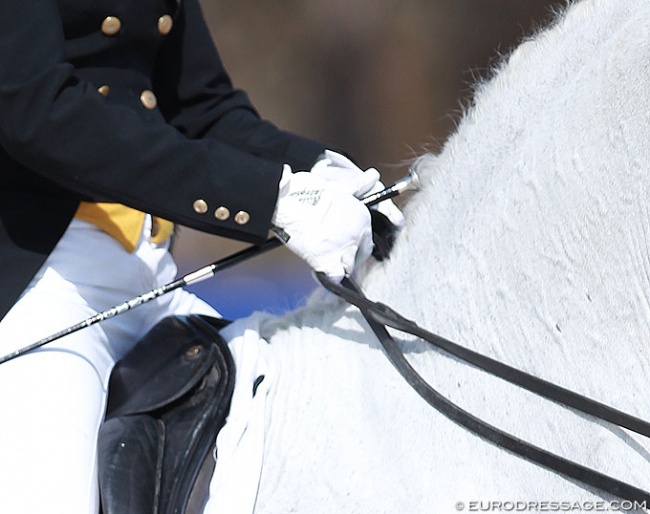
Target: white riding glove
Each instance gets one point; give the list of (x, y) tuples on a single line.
[(327, 227), (348, 177)]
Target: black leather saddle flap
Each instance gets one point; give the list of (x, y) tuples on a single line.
[(168, 399), (162, 367)]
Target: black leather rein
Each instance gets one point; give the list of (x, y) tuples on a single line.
[(379, 316)]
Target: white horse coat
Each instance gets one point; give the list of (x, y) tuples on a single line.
[(529, 243)]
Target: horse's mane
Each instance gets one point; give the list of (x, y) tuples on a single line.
[(513, 229), (496, 112)]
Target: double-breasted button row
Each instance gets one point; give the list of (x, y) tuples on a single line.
[(222, 213), (147, 97), (112, 25)]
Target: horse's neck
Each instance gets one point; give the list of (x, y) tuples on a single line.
[(529, 240)]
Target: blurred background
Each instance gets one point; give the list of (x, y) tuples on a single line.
[(384, 79)]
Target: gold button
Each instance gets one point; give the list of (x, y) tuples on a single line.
[(242, 217), (111, 25), (222, 213), (104, 90), (148, 99), (200, 206), (165, 23)]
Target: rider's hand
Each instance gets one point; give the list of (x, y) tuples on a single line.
[(342, 173), (326, 226), (347, 176)]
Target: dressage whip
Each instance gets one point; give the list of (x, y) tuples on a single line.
[(409, 182)]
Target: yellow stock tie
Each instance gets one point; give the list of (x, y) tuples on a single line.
[(123, 223)]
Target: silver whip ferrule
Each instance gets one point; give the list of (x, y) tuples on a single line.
[(409, 182)]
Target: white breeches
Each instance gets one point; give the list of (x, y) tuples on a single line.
[(52, 400)]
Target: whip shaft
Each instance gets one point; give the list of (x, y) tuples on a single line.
[(408, 182)]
